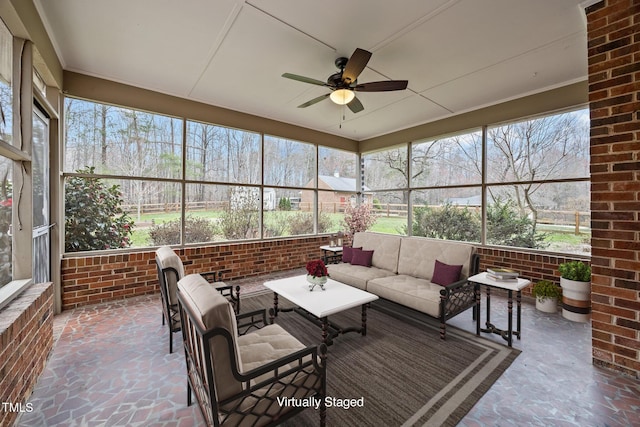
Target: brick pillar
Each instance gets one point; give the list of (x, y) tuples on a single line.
[(613, 28)]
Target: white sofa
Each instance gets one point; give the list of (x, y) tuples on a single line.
[(402, 269)]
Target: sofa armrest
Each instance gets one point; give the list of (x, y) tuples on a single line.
[(454, 299)]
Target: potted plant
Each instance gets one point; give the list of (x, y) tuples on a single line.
[(575, 280), (547, 294)]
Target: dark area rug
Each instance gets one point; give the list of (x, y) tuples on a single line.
[(401, 372)]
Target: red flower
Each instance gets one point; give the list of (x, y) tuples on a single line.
[(317, 268)]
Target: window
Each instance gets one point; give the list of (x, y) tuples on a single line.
[(386, 179), (133, 179), (538, 183), (535, 180), (6, 164)]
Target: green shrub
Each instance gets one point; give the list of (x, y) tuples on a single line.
[(446, 222), (302, 223), (575, 270), (196, 230), (507, 227), (284, 204), (94, 218), (546, 289)]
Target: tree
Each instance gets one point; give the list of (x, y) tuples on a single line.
[(358, 218), (94, 218)]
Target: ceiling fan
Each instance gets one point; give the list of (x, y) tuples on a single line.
[(344, 83)]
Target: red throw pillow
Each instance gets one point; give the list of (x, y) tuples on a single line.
[(347, 253), (445, 274), (361, 257)]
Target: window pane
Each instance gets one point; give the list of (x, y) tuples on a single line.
[(337, 169), (288, 163), (6, 91), (285, 218), (331, 205), (551, 147), (552, 216), (447, 213), (40, 171), (390, 208), (106, 214), (6, 199), (216, 153), (221, 212), (384, 170), (121, 141), (454, 160)]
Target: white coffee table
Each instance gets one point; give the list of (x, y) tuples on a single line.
[(320, 304)]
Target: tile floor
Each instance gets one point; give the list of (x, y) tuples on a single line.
[(110, 366)]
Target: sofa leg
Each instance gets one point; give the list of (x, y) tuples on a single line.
[(443, 330)]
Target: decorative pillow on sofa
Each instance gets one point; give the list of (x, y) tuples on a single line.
[(347, 253), (445, 274), (361, 257)]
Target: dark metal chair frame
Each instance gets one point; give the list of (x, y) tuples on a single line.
[(308, 362), (170, 312)]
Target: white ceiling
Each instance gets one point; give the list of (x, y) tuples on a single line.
[(458, 55)]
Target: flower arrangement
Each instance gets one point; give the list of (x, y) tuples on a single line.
[(317, 268)]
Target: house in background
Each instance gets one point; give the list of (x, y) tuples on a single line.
[(340, 193)]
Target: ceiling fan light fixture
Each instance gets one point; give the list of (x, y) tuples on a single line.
[(342, 96)]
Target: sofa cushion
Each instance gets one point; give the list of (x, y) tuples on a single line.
[(361, 257), (347, 253), (418, 294), (445, 274), (418, 256), (355, 275), (386, 247)]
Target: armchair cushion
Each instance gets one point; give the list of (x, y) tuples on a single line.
[(167, 258), (214, 311)]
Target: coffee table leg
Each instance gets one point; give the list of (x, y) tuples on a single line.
[(325, 329), (275, 304), (364, 320)]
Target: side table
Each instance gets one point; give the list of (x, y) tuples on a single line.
[(331, 254), (509, 285)]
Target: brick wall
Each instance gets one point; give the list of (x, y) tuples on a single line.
[(100, 278), (26, 338), (531, 265), (614, 94)]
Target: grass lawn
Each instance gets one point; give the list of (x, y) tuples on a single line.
[(559, 238)]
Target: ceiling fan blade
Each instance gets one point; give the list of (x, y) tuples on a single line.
[(355, 105), (304, 79), (382, 86), (355, 65), (314, 101)]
